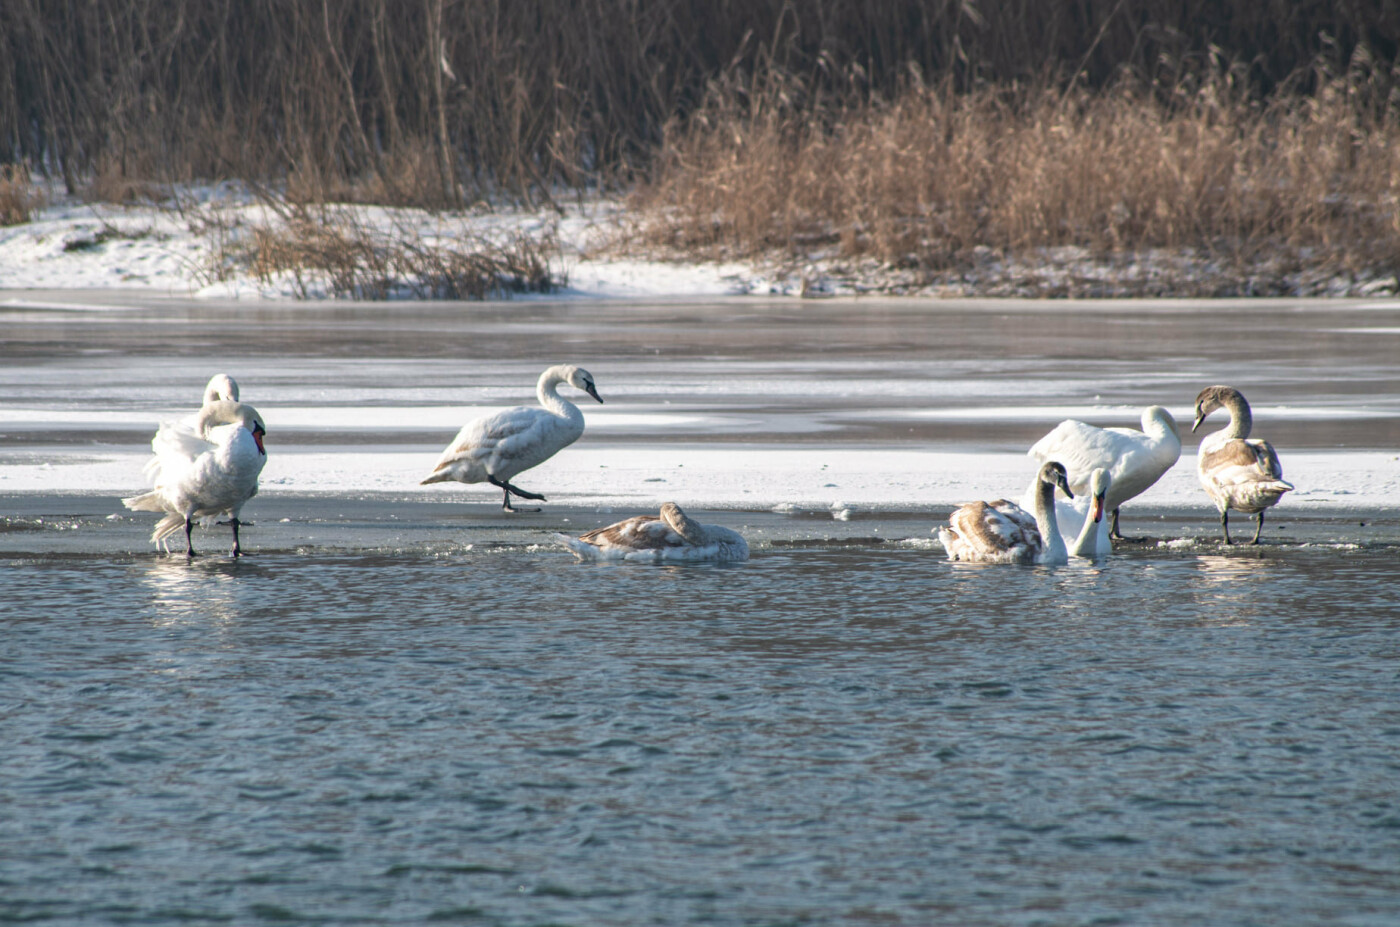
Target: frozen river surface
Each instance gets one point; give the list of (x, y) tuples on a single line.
[(406, 707)]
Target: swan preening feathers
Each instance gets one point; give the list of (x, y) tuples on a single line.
[(1133, 459), (1237, 472), (671, 535), (494, 448), (204, 469)]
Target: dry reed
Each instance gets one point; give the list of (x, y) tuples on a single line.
[(18, 196), (932, 179)]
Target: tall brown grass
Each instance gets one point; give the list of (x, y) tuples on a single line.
[(931, 178), (436, 101)]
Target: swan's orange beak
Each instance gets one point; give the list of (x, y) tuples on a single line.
[(258, 433), (1096, 509)]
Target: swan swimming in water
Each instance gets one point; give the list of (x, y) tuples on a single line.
[(1238, 472), (1003, 532), (1134, 459), (1081, 520), (494, 448), (672, 535), (204, 471)]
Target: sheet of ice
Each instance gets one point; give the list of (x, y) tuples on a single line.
[(782, 478)]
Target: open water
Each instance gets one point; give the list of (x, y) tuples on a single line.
[(841, 731)]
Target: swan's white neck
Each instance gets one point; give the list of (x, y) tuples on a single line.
[(1045, 520), (547, 391), (1087, 544), (1158, 424)]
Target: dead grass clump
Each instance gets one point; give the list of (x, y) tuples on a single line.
[(925, 179), (336, 252), (18, 196)]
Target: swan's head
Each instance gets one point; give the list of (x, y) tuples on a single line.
[(579, 378), (227, 412), (681, 523), (1212, 398), (221, 387), (1054, 474), (1159, 419), (1099, 481)]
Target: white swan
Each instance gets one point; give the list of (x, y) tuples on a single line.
[(1134, 459), (201, 472), (1003, 532), (493, 449), (221, 387), (1238, 472), (672, 535)]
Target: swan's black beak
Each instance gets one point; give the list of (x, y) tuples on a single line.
[(1062, 481), (1200, 417), (593, 391)]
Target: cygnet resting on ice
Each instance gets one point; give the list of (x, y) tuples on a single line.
[(672, 535), (1238, 472), (1134, 459), (1003, 532), (494, 448), (204, 471)]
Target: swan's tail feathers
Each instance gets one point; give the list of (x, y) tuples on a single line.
[(437, 476), (170, 524), (146, 502), (581, 549)]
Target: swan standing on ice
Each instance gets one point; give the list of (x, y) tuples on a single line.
[(221, 387), (672, 535), (1134, 459), (204, 470), (1003, 532), (493, 449), (1238, 472)]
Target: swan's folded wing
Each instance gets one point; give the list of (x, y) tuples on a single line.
[(481, 437), (1238, 461), (1267, 458), (1083, 448), (644, 532)]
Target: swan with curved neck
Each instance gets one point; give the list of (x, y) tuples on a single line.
[(494, 448), (1093, 539), (671, 535), (204, 470), (1237, 472), (1134, 459), (1003, 532), (221, 387)]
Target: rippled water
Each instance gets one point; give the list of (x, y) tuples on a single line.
[(863, 734)]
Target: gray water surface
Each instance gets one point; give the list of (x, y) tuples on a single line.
[(403, 712)]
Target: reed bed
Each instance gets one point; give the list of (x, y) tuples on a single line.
[(18, 195), (935, 182)]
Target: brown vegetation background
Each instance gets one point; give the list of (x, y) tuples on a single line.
[(1258, 136), (424, 100)]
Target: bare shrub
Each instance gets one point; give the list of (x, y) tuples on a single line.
[(336, 250)]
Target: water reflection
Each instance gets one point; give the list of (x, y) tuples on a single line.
[(204, 591)]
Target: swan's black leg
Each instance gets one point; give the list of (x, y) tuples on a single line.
[(1113, 531), (1225, 523), (1259, 530), (189, 544), (237, 551), (506, 490)]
